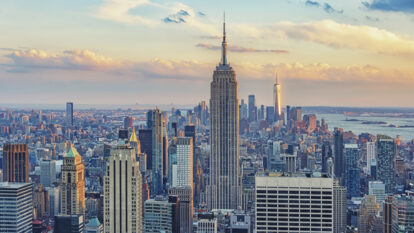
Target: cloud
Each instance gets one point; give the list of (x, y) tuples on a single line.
[(178, 17), (202, 14), (26, 60), (210, 37), (240, 49), (312, 3), (329, 9), (340, 36), (406, 6), (120, 11)]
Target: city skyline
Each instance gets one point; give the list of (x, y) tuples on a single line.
[(148, 52)]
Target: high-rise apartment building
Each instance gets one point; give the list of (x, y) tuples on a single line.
[(339, 160), (185, 162), (294, 204), (72, 185), (69, 113), (16, 207), (122, 191), (15, 163), (385, 162), (352, 172), (47, 172), (162, 215), (224, 191)]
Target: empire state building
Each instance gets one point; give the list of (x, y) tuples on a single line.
[(224, 190)]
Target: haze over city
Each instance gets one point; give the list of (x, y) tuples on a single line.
[(326, 53)]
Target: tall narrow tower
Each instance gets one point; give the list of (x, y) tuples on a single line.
[(73, 184), (224, 191), (277, 99)]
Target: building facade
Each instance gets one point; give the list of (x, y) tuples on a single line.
[(72, 185), (385, 162), (15, 163), (122, 191)]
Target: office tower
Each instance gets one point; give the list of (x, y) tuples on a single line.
[(224, 191), (185, 162), (69, 114), (243, 111), (339, 208), (294, 204), (16, 208), (326, 153), (385, 162), (352, 172), (288, 115), (94, 226), (371, 156), (190, 131), (72, 186), (54, 198), (41, 203), (159, 152), (145, 137), (270, 114), (185, 195), (133, 140), (162, 215), (277, 100), (339, 160), (15, 163), (252, 108), (122, 191), (367, 212), (377, 189), (207, 225), (261, 114), (47, 172), (402, 214), (128, 122), (387, 214), (69, 224)]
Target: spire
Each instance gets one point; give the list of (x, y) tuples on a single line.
[(224, 43), (133, 137)]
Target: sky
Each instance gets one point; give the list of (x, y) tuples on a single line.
[(325, 52)]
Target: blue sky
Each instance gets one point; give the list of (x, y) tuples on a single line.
[(348, 53)]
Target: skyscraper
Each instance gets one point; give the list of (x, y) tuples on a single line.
[(185, 195), (159, 151), (339, 161), (47, 172), (352, 172), (122, 191), (277, 102), (326, 153), (16, 208), (224, 190), (339, 200), (69, 224), (185, 162), (385, 162), (15, 163), (69, 113), (162, 215), (367, 212), (252, 108), (371, 156), (73, 184)]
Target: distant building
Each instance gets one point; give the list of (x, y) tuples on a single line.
[(402, 214), (15, 163), (69, 113), (340, 208), (207, 224), (128, 122), (277, 100), (385, 162), (270, 114), (16, 208), (47, 172), (326, 153), (185, 162), (145, 137), (339, 160), (367, 213), (252, 109), (162, 215), (69, 224), (377, 189), (371, 156), (72, 184), (185, 195)]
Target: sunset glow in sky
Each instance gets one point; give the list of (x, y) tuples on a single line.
[(326, 52)]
